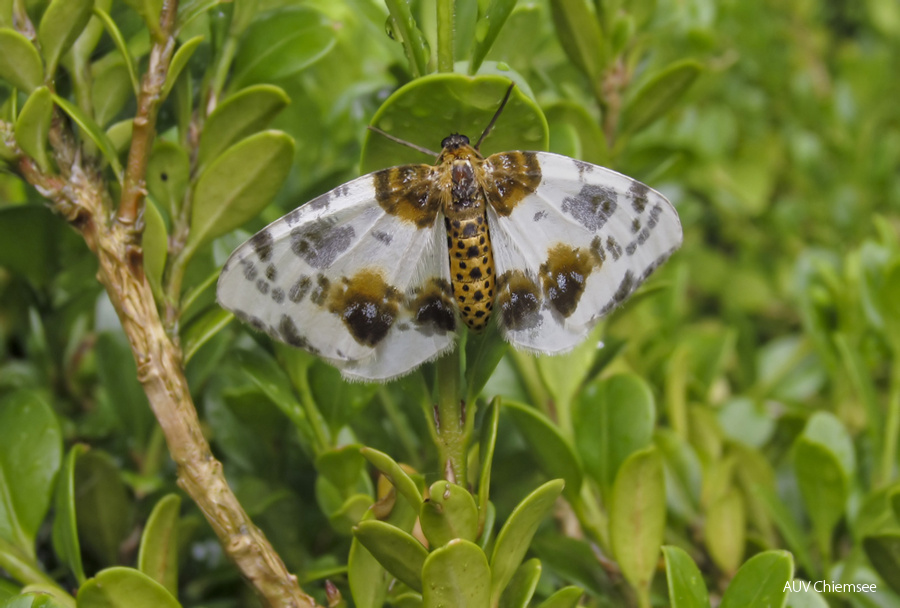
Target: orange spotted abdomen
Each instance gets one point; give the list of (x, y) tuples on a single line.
[(471, 266)]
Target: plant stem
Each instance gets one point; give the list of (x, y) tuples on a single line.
[(446, 24), (450, 421), (413, 44)]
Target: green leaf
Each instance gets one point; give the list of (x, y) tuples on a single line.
[(726, 531), (92, 130), (579, 34), (686, 586), (124, 588), (158, 555), (612, 418), (342, 466), (516, 534), (111, 91), (33, 125), (553, 451), (399, 553), (103, 507), (396, 475), (564, 374), (168, 175), (30, 242), (483, 353), (574, 132), (449, 513), (521, 588), (113, 30), (787, 526), (242, 114), (61, 24), (760, 581), (456, 575), (487, 442), (281, 45), (65, 524), (883, 551), (637, 517), (155, 243), (179, 62), (659, 94), (238, 185), (203, 328), (488, 28), (86, 42), (265, 373), (30, 456), (567, 597), (118, 375), (149, 10), (20, 63), (428, 109), (823, 457)]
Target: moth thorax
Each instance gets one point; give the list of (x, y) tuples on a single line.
[(471, 265), (464, 189)]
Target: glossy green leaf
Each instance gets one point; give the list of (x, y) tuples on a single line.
[(567, 597), (203, 328), (179, 62), (564, 374), (30, 456), (48, 596), (659, 94), (574, 132), (726, 531), (33, 126), (883, 551), (350, 513), (396, 475), (238, 185), (20, 63), (449, 513), (190, 9), (93, 131), (429, 109), (282, 44), (88, 39), (242, 114), (612, 418), (368, 580), (399, 553), (119, 135), (760, 581), (103, 506), (149, 11), (111, 91), (65, 524), (456, 575), (522, 585), (488, 28), (158, 555), (579, 34), (124, 588), (61, 24), (168, 175), (554, 452), (686, 586), (155, 243), (823, 463), (113, 30), (483, 353), (637, 516), (342, 466), (515, 536)]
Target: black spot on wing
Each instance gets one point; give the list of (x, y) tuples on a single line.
[(320, 243), (629, 283), (519, 301), (592, 206), (638, 193)]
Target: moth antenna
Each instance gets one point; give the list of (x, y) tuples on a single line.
[(403, 142), (496, 115)]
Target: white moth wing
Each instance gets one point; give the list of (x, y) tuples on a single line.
[(575, 248), (338, 277)]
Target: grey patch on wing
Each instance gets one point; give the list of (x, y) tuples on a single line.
[(635, 225), (250, 271), (592, 206), (320, 243), (613, 247), (383, 237), (644, 234), (638, 192), (271, 272), (320, 293), (290, 334), (255, 322), (262, 286), (628, 284), (540, 215), (278, 295), (299, 289), (656, 264), (262, 244), (583, 167), (294, 216)]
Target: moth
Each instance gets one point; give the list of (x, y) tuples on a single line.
[(381, 274)]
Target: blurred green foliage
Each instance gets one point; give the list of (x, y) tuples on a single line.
[(743, 410)]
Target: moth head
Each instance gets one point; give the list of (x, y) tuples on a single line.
[(454, 142)]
